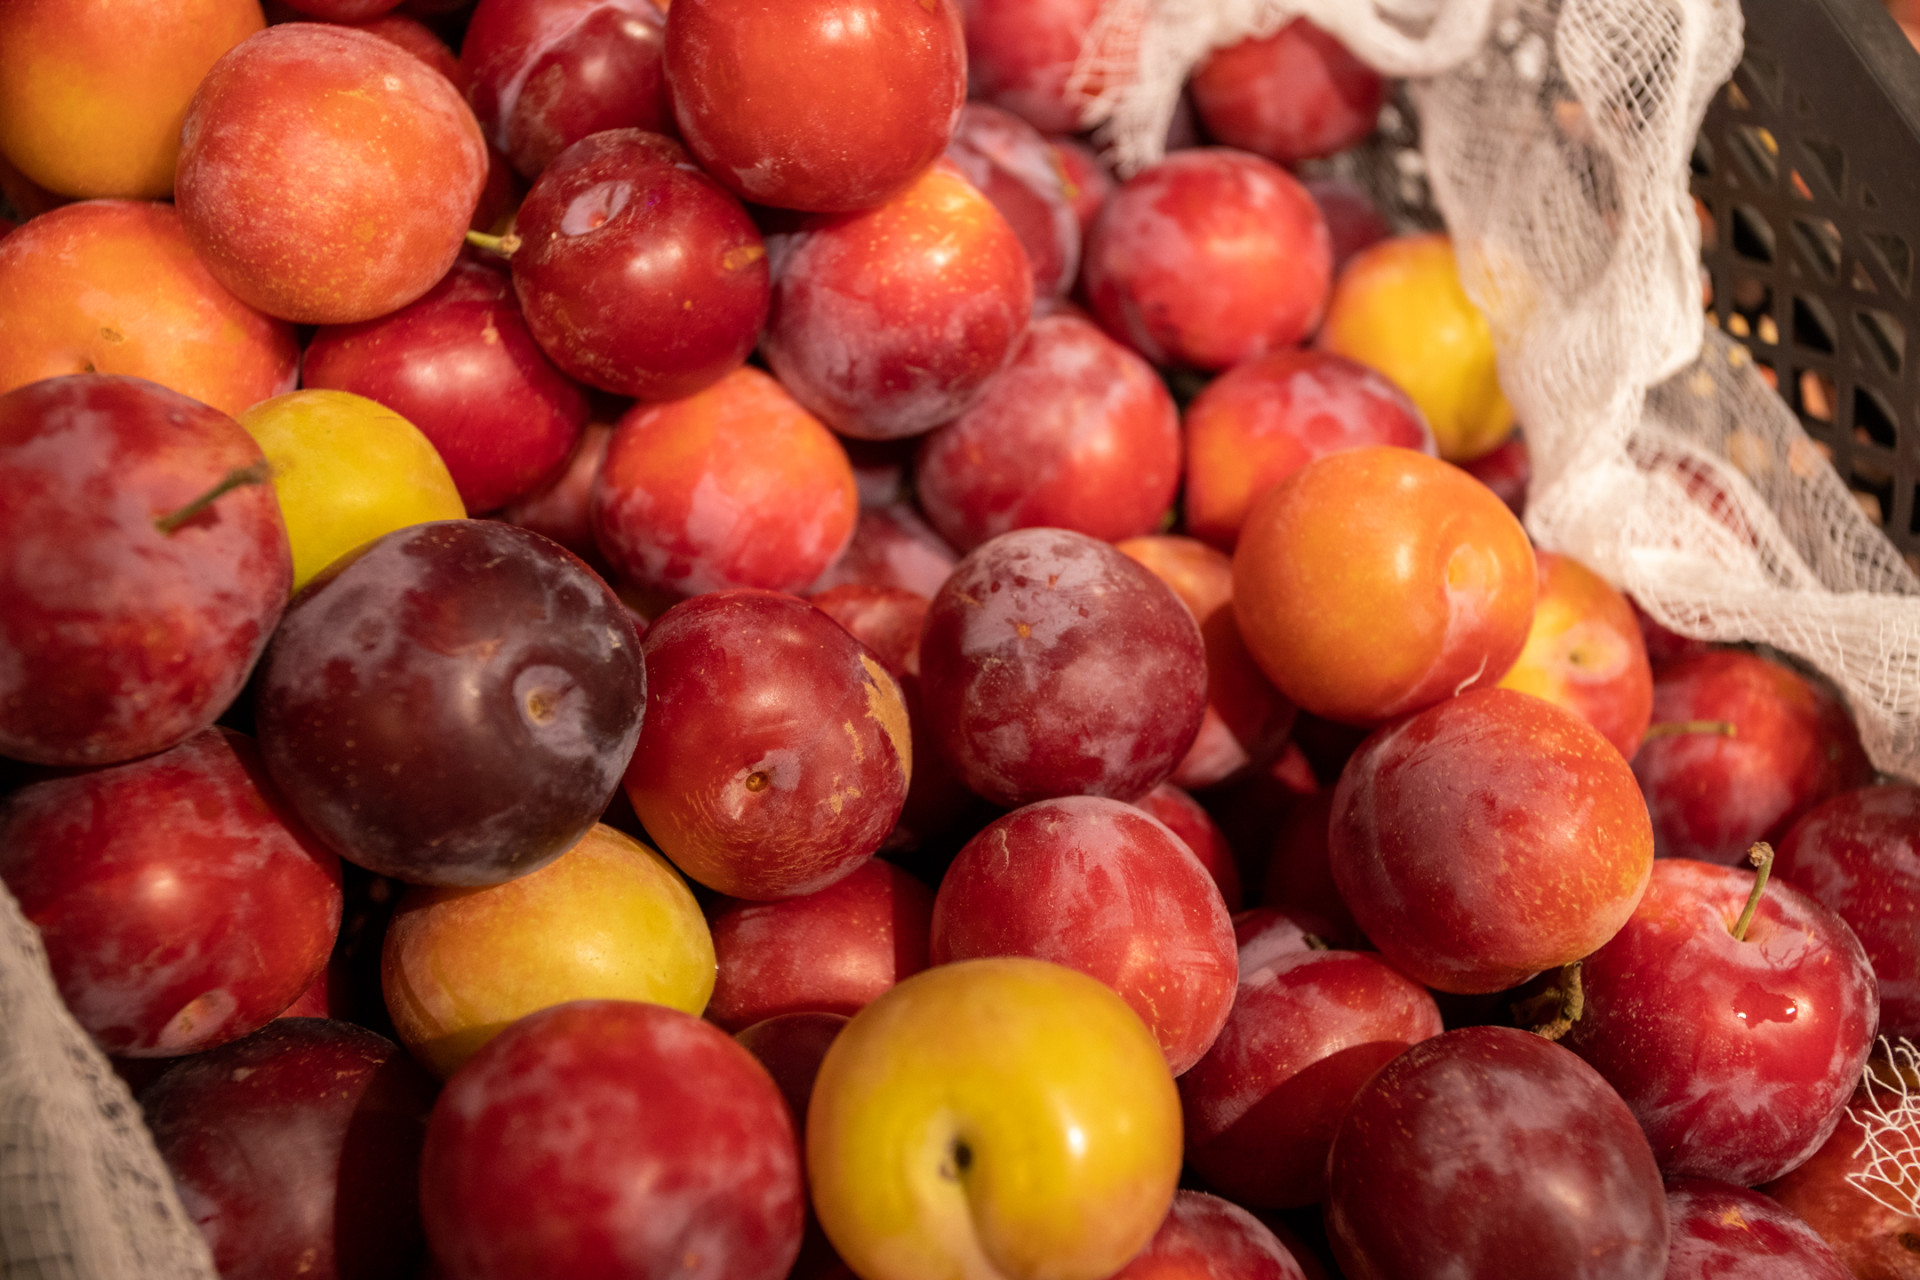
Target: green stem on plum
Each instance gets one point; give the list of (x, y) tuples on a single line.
[(1566, 1000), (1761, 856), (504, 245), (259, 473), (1673, 728)]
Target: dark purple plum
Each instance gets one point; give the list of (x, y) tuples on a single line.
[(297, 1151), (1493, 1152), (453, 703)]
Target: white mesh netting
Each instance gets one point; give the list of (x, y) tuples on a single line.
[(1556, 136), (1556, 139), (83, 1193)]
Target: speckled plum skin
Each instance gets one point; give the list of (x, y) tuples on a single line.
[(1492, 1152), (776, 753), (830, 951), (180, 905), (547, 74), (1184, 816), (1209, 258), (1205, 1236), (1876, 1242), (1077, 432), (113, 286), (297, 1151), (327, 175), (1737, 1057), (1712, 796), (460, 365), (1105, 888), (637, 272), (1724, 1232), (889, 322), (824, 105), (452, 704), (735, 486), (1308, 1028), (605, 1139), (1859, 855), (1053, 665), (117, 639), (1488, 838)]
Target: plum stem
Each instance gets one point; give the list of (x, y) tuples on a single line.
[(504, 245), (1567, 998), (1761, 856), (258, 473), (1315, 942), (1672, 728)]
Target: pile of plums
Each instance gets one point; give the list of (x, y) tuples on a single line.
[(686, 643)]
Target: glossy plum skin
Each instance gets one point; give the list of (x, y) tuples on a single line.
[(830, 951), (1247, 719), (1876, 1242), (1724, 1232), (1737, 1057), (636, 272), (1488, 838), (889, 321), (460, 365), (823, 105), (1307, 1030), (1585, 652), (1376, 581), (327, 175), (181, 907), (1492, 1152), (1262, 420), (1859, 855), (112, 286), (1712, 796), (1209, 258), (1204, 1237), (547, 74), (297, 1151), (1077, 432), (1102, 887), (602, 1138), (1017, 169), (734, 486), (453, 704), (1294, 95), (117, 639), (1053, 665), (776, 754)]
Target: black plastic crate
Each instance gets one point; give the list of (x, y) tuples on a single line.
[(1809, 164)]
